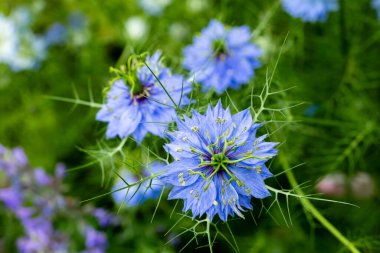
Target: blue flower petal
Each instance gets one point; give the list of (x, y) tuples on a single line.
[(253, 184), (179, 173)]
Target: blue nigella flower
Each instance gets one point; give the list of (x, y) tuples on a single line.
[(138, 104), (77, 20), (104, 218), (219, 163), (221, 58), (376, 6), (96, 242), (137, 194), (56, 34), (36, 200), (310, 10)]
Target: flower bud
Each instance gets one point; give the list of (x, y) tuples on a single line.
[(363, 186), (333, 184)]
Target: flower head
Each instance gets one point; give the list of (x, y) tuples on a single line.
[(219, 163), (137, 194), (310, 10), (56, 34), (138, 103), (221, 58)]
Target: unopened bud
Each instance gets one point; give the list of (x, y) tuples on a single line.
[(363, 186), (332, 185)]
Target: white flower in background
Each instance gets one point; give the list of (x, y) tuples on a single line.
[(267, 45), (197, 5), (78, 30), (178, 31), (31, 51), (136, 28), (154, 7), (22, 17), (20, 48), (8, 39), (37, 6)]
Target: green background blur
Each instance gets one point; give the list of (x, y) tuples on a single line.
[(333, 67)]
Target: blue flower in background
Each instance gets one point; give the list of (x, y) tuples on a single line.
[(56, 34), (137, 194), (40, 237), (140, 105), (35, 198), (221, 58), (104, 217), (96, 242), (77, 20), (219, 163), (310, 10), (312, 110), (376, 6)]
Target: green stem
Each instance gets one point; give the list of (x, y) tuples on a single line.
[(124, 56), (311, 208), (209, 234), (163, 87)]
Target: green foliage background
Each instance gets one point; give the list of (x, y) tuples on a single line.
[(333, 66)]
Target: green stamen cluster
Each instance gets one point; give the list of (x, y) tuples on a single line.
[(219, 48), (128, 73), (218, 160)]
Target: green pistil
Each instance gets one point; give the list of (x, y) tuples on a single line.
[(218, 159), (136, 88), (220, 49), (128, 73)]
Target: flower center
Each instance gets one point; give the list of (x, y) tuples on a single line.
[(136, 87), (141, 92), (220, 49), (219, 160)]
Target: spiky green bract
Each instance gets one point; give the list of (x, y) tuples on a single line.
[(219, 163), (137, 194)]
